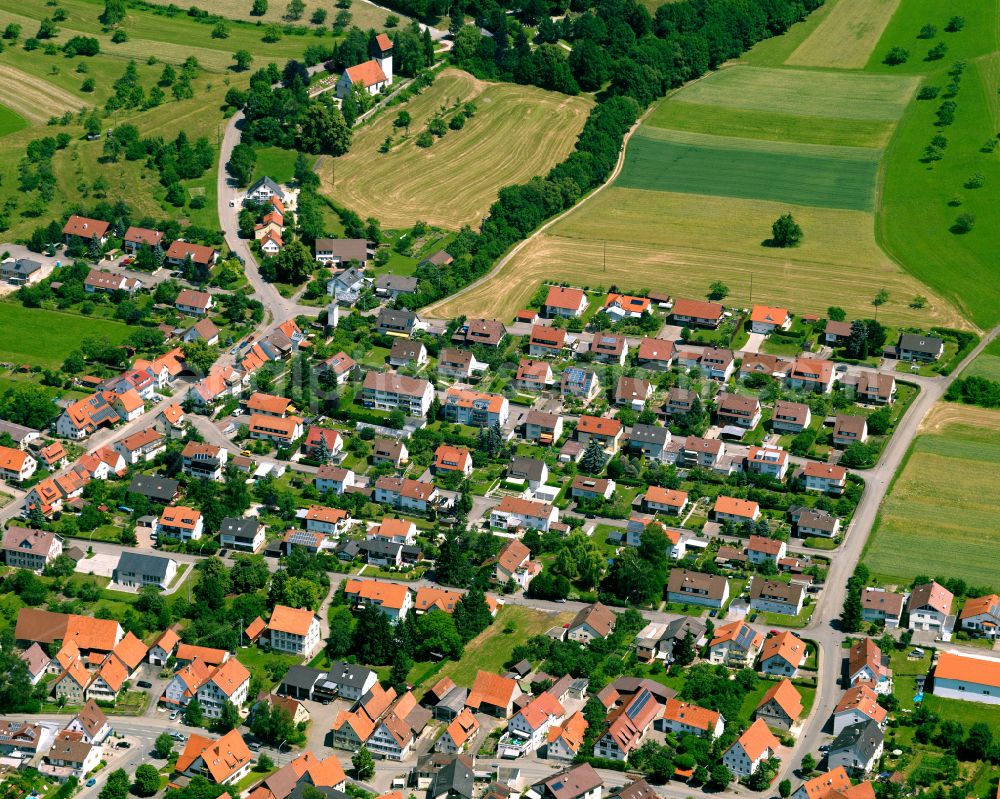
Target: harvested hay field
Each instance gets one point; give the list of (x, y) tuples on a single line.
[(517, 132), (830, 177), (681, 243), (847, 36), (808, 93), (33, 98), (363, 13), (942, 509)]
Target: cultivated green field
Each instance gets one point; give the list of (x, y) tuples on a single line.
[(920, 200), (833, 177), (10, 121), (987, 363), (941, 510), (44, 338), (840, 95)]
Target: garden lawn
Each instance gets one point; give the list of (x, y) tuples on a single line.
[(275, 163), (271, 666), (492, 648), (941, 508), (45, 338), (968, 713), (660, 160)]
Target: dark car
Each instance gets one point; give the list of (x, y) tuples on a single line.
[(144, 684), (123, 745)]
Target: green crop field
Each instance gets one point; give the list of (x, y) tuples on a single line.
[(841, 177), (841, 95), (518, 132), (941, 509), (921, 200), (44, 338), (770, 126), (10, 121), (847, 37), (987, 363)]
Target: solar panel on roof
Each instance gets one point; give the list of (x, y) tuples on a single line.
[(557, 786), (636, 707)]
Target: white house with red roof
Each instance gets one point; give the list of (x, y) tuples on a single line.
[(565, 301), (373, 75)]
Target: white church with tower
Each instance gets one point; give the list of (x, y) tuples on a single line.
[(373, 75)]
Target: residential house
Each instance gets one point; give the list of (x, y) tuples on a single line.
[(394, 286), (586, 487), (389, 391), (458, 734), (81, 418), (881, 606), (609, 348), (607, 432), (24, 739), (335, 479), (625, 306), (967, 677), (459, 364), (493, 695), (756, 745), (762, 364), (181, 522), (390, 450), (341, 252), (781, 706), (398, 322), (279, 431), (833, 785), (328, 521), (682, 718), (242, 535), (513, 563), (696, 313), (21, 435), (665, 500), (849, 429), (857, 705), (90, 723), (405, 494), (764, 319), (21, 271), (565, 302), (154, 487), (452, 459), (393, 599), (407, 352), (857, 748), (981, 616), (194, 303), (627, 726), (101, 281), (632, 392), (528, 729), (769, 461), (30, 549), (584, 384), (837, 333), (161, 651), (564, 741), (513, 512), (322, 443), (545, 428), (876, 388), (264, 191), (655, 353), (736, 645), (531, 471), (657, 640), (533, 375), (696, 588), (717, 363), (37, 662), (652, 441), (761, 549), (826, 477), (293, 630), (475, 408), (342, 366), (205, 330), (225, 761), (735, 409), (774, 596), (577, 782), (488, 332), (70, 757), (204, 461), (929, 608), (546, 341), (915, 347), (737, 511), (136, 570), (783, 655), (180, 251), (704, 453), (593, 621), (866, 664), (790, 417), (811, 374), (84, 230)]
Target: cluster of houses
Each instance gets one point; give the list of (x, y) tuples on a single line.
[(73, 751)]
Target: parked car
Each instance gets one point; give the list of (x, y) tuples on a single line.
[(144, 684), (173, 715), (123, 745), (91, 782)]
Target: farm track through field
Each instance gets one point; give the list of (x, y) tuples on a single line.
[(33, 98)]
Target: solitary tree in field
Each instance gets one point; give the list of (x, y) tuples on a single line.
[(880, 299), (897, 56), (785, 232), (718, 291), (243, 59), (114, 12)]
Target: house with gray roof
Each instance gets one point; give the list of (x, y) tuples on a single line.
[(339, 252), (652, 441), (154, 487), (20, 271), (393, 286), (915, 347), (136, 570), (345, 681), (857, 748)]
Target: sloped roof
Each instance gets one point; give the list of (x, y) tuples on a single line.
[(786, 697)]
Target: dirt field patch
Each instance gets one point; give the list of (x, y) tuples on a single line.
[(517, 132), (33, 98), (847, 37)]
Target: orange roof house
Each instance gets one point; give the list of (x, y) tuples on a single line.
[(735, 509), (781, 706), (493, 693), (223, 761)]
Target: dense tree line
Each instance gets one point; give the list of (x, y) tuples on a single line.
[(617, 47), (975, 390)]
